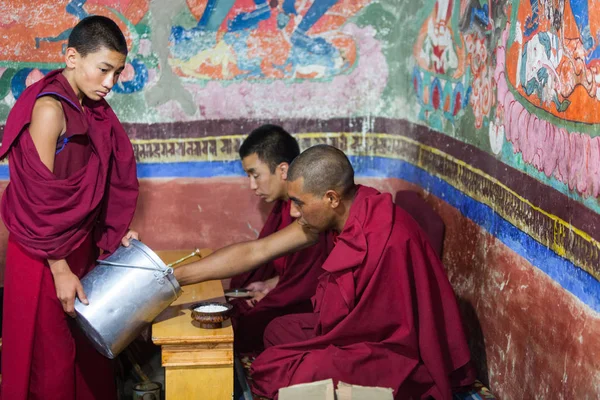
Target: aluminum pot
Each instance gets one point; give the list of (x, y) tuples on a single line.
[(126, 291)]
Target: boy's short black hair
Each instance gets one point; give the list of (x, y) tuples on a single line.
[(95, 32), (272, 144)]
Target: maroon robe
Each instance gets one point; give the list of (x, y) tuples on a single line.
[(429, 220), (85, 204), (385, 314), (277, 220), (298, 278)]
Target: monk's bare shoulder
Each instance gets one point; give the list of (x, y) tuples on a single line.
[(47, 119), (47, 124)]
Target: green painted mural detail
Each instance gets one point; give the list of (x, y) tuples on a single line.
[(396, 35)]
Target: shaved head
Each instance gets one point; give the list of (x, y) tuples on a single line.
[(323, 168)]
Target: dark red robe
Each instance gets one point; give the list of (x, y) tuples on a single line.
[(429, 220), (298, 278), (277, 220), (385, 314), (86, 203)]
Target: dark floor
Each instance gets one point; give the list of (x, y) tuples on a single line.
[(140, 362)]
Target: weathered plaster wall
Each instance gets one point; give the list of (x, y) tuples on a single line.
[(210, 212), (489, 106), (516, 83)]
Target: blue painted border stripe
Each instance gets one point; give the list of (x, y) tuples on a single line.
[(572, 278), (581, 284), (199, 169)]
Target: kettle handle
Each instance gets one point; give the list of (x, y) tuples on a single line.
[(165, 272)]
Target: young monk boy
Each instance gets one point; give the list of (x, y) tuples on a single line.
[(73, 189), (384, 311), (284, 285)]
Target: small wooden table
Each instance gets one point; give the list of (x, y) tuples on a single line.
[(198, 362)]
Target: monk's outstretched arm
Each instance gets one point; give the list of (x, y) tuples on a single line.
[(245, 256)]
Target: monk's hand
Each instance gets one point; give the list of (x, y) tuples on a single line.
[(263, 287), (256, 297), (67, 286), (131, 234), (258, 287)]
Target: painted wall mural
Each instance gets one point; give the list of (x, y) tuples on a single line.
[(260, 40), (527, 74), (35, 42), (551, 61), (453, 63), (518, 80), (208, 59)]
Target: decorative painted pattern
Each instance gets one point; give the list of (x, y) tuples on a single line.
[(557, 234)]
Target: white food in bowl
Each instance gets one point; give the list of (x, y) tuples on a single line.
[(211, 308)]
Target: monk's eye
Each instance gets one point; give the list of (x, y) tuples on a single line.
[(104, 70)]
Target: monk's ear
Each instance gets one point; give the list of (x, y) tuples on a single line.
[(283, 167), (71, 57), (333, 198)]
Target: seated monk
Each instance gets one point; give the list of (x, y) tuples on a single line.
[(384, 311), (286, 284)]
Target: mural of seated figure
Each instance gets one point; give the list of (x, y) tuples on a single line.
[(558, 52)]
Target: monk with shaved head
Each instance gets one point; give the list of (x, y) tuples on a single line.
[(384, 313)]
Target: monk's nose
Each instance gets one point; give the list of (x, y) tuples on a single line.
[(253, 184), (109, 82)]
